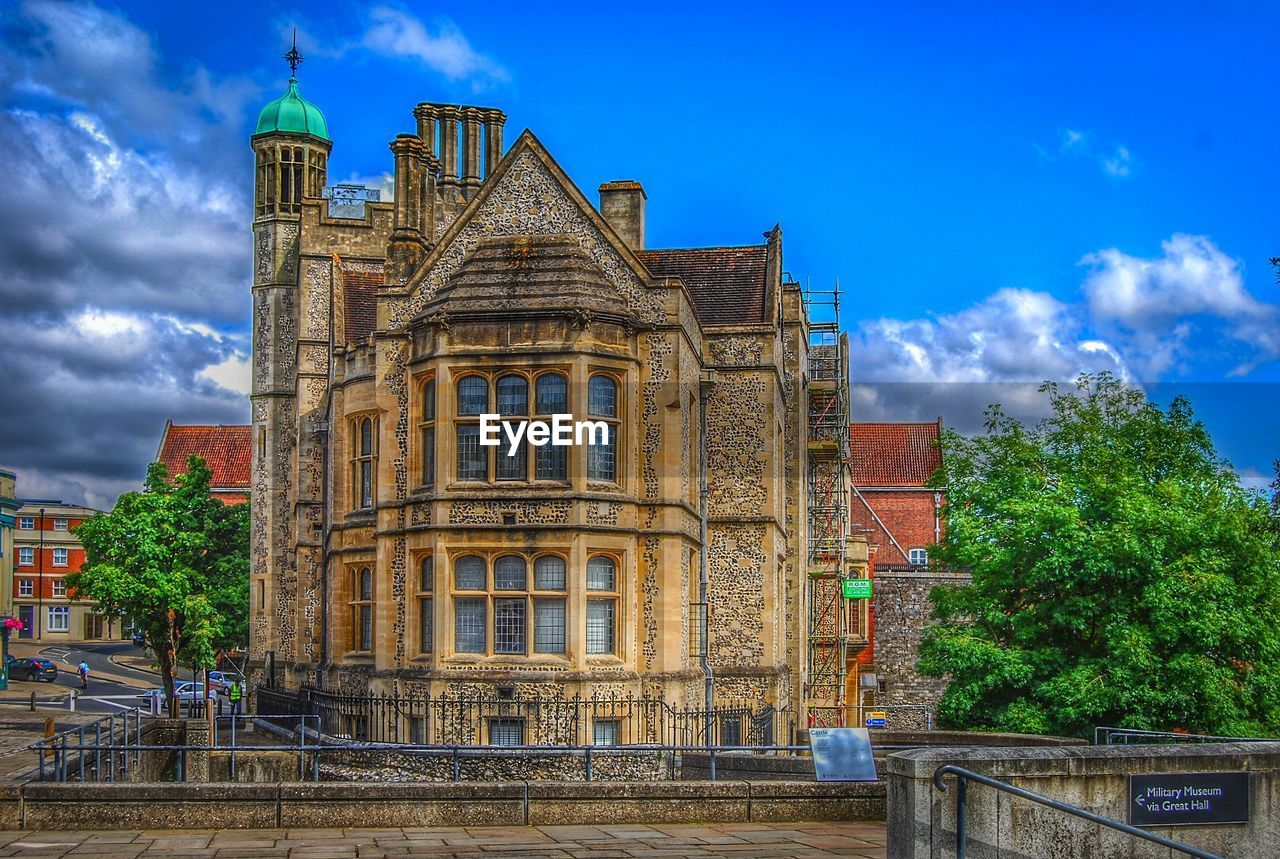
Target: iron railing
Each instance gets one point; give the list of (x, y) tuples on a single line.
[(964, 776), (1106, 736), (613, 720)]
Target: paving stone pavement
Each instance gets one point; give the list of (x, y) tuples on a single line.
[(724, 840)]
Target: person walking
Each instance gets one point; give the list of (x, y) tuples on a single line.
[(83, 668), (235, 695)]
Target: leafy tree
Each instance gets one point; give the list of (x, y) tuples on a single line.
[(176, 562), (1121, 575)]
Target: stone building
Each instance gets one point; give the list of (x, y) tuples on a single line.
[(899, 514), (393, 553)]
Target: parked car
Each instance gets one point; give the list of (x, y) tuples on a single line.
[(33, 668), (221, 681), (185, 692), (139, 639)]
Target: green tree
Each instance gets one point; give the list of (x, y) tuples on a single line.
[(1121, 575), (176, 562)]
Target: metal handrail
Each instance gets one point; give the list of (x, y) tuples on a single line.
[(1102, 736), (963, 776)]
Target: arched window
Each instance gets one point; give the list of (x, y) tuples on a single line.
[(513, 395), (473, 395), (509, 573), (362, 471), (549, 573), (602, 454), (427, 432), (362, 610), (602, 605), (551, 395), (473, 400), (469, 573)]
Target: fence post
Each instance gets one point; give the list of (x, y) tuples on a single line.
[(71, 700), (713, 762), (457, 766), (961, 813), (588, 767)]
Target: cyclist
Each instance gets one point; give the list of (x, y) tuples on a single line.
[(83, 668)]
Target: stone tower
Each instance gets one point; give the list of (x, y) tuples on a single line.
[(291, 151)]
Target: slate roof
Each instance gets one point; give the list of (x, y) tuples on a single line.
[(360, 307), (893, 454), (227, 450), (729, 286)]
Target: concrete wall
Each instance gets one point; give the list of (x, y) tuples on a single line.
[(71, 806), (922, 821)]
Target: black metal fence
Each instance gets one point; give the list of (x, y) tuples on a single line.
[(538, 721)]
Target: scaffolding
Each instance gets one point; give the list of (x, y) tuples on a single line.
[(828, 496)]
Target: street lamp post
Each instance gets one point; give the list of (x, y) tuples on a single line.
[(40, 582)]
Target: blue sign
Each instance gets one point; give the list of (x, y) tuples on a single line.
[(842, 754)]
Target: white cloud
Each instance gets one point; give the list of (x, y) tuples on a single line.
[(396, 33), (1161, 310), (1115, 159), (233, 373)]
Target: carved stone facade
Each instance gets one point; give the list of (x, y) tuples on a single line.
[(392, 554)]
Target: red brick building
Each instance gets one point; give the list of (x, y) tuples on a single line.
[(47, 550), (226, 449), (891, 503)]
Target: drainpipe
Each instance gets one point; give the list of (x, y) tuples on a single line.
[(707, 381)]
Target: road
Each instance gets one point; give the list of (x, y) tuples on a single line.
[(98, 657)]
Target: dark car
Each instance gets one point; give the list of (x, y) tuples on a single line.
[(32, 669), (139, 639)]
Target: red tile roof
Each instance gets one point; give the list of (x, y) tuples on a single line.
[(729, 286), (227, 450), (360, 295), (887, 454)]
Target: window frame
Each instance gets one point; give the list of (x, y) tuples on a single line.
[(499, 605), (610, 597), (361, 602), (59, 611), (918, 557), (27, 588), (65, 555), (26, 556), (60, 523), (363, 461), (26, 523), (427, 437), (614, 422), (425, 593), (59, 588)]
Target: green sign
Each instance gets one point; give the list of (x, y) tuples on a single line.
[(857, 589)]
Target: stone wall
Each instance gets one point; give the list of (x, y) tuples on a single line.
[(70, 806), (902, 611), (922, 819)]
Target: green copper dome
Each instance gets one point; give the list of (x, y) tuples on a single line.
[(292, 114)]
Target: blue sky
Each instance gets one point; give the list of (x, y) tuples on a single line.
[(1006, 192)]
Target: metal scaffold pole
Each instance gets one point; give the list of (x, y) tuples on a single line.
[(827, 394)]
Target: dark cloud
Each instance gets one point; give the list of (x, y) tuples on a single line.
[(124, 248)]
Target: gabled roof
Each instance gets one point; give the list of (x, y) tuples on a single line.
[(360, 303), (894, 454), (728, 285), (227, 450)]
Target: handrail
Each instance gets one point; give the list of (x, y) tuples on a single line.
[(1102, 736), (964, 775)]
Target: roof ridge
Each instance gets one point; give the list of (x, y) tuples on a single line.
[(763, 247)]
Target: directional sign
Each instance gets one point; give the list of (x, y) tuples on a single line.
[(1184, 799), (857, 589), (842, 754)]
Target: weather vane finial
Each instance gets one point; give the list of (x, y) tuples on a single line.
[(293, 58)]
